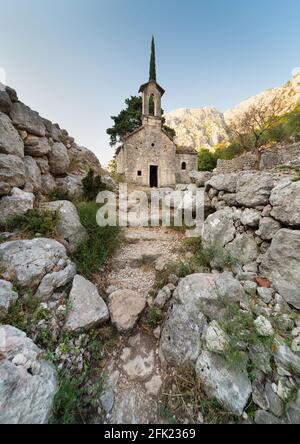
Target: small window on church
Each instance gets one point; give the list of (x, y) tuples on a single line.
[(183, 166), (139, 173), (152, 144)]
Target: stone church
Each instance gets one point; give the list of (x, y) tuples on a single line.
[(149, 157)]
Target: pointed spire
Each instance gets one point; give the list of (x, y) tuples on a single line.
[(152, 73)]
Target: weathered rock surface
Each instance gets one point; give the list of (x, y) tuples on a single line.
[(219, 228), (196, 296), (33, 175), (285, 199), (200, 177), (125, 307), (254, 189), (7, 296), (10, 141), (229, 385), (82, 160), (12, 170), (216, 338), (28, 383), (69, 225), (59, 161), (281, 265), (28, 262), (5, 102), (86, 307), (243, 249), (17, 203), (223, 182), (26, 119), (71, 184), (37, 146), (250, 217), (268, 227), (48, 183)]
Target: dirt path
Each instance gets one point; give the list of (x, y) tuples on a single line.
[(135, 376)]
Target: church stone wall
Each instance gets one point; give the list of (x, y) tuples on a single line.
[(191, 163), (149, 146)]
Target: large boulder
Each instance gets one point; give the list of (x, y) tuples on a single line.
[(53, 130), (71, 185), (37, 146), (223, 182), (5, 102), (39, 265), (281, 265), (59, 161), (10, 141), (243, 249), (17, 203), (26, 119), (197, 296), (69, 226), (254, 189), (7, 296), (48, 183), (268, 227), (219, 228), (33, 175), (12, 170), (83, 160), (125, 307), (27, 382), (250, 217), (228, 384), (285, 199), (86, 307), (200, 177)]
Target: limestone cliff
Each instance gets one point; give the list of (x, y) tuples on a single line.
[(207, 126)]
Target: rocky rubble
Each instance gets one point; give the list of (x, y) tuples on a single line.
[(28, 383), (254, 233)]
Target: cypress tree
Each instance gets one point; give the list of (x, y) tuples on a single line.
[(152, 73)]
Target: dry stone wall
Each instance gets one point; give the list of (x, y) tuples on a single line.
[(36, 155)]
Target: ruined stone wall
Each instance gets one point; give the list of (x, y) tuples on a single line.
[(281, 155), (37, 155), (272, 158), (245, 162)]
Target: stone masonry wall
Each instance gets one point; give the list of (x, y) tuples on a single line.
[(270, 159)]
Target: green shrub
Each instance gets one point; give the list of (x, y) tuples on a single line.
[(35, 221), (60, 195), (155, 316), (206, 160), (101, 243), (92, 185)]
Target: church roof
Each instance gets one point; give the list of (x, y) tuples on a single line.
[(186, 150), (144, 86)]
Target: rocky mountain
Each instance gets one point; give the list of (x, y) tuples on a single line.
[(208, 126), (198, 127)]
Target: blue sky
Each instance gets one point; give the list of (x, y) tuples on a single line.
[(75, 61)]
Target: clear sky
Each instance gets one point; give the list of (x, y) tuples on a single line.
[(75, 61)]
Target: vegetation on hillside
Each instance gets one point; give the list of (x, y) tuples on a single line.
[(259, 127)]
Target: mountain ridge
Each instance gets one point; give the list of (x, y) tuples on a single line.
[(206, 127)]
